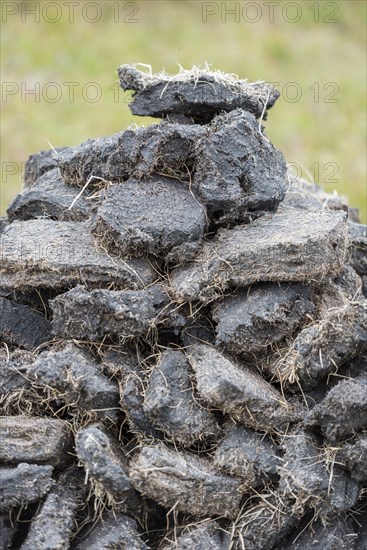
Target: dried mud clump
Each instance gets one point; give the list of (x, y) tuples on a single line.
[(183, 324)]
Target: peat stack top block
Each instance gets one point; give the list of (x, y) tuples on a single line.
[(197, 93)]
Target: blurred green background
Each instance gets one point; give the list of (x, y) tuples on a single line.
[(67, 53)]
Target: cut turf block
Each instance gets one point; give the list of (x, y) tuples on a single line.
[(171, 404), (304, 195), (40, 163), (13, 372), (239, 174), (87, 161), (264, 522), (239, 391), (90, 315), (251, 319), (345, 287), (207, 535), (247, 454), (54, 524), (132, 403), (49, 197), (164, 148), (113, 530), (338, 534), (333, 293), (106, 464), (185, 481), (343, 411), (133, 219), (23, 326), (325, 345), (51, 254), (353, 455), (120, 363), (77, 380), (305, 475), (22, 484), (282, 247), (199, 93), (34, 439)]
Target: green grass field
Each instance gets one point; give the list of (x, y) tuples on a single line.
[(314, 50)]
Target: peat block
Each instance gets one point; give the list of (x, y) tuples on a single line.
[(49, 197), (171, 404), (112, 530), (207, 535), (133, 219), (347, 286), (305, 195), (343, 411), (53, 525), (264, 523), (23, 326), (247, 454), (40, 163), (164, 148), (132, 403), (89, 315), (77, 380), (240, 391), (339, 533), (326, 344), (23, 484), (306, 475), (183, 480), (197, 94), (353, 455), (46, 253), (87, 161), (282, 247), (34, 439), (13, 372), (239, 174), (105, 463), (251, 319)]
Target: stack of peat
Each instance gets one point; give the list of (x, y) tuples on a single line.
[(184, 332)]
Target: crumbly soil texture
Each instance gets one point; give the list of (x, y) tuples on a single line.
[(183, 337)]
